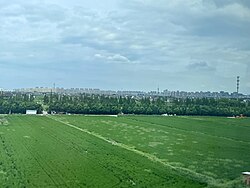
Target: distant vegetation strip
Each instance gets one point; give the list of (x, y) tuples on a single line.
[(18, 104), (102, 104)]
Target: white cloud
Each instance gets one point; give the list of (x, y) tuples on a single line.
[(113, 58), (118, 58)]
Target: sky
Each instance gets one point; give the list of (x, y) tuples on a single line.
[(194, 45)]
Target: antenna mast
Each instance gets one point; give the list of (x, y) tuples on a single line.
[(237, 84)]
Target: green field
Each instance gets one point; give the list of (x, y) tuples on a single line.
[(126, 151)]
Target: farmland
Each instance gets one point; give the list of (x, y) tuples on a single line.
[(125, 151)]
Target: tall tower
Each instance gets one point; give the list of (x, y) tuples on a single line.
[(238, 84), (54, 88)]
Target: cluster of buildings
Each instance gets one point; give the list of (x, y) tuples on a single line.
[(166, 93), (202, 94)]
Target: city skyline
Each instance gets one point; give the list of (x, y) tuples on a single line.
[(126, 45), (127, 89), (156, 89), (138, 93)]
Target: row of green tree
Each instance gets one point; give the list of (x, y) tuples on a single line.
[(100, 104), (18, 104)]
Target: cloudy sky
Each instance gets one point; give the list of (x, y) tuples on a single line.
[(194, 45)]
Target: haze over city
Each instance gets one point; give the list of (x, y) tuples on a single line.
[(132, 45)]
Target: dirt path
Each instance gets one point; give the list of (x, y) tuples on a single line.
[(180, 170)]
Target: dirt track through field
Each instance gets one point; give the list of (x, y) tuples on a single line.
[(180, 170)]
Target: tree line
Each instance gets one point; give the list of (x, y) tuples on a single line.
[(101, 104), (18, 104)]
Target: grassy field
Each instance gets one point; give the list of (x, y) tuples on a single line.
[(127, 151)]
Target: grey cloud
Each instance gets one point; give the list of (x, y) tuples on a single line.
[(188, 14), (34, 12), (222, 3), (200, 66)]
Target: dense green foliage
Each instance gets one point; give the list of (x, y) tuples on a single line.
[(18, 103), (101, 104), (96, 104), (38, 151)]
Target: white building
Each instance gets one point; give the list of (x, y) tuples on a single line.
[(31, 112)]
